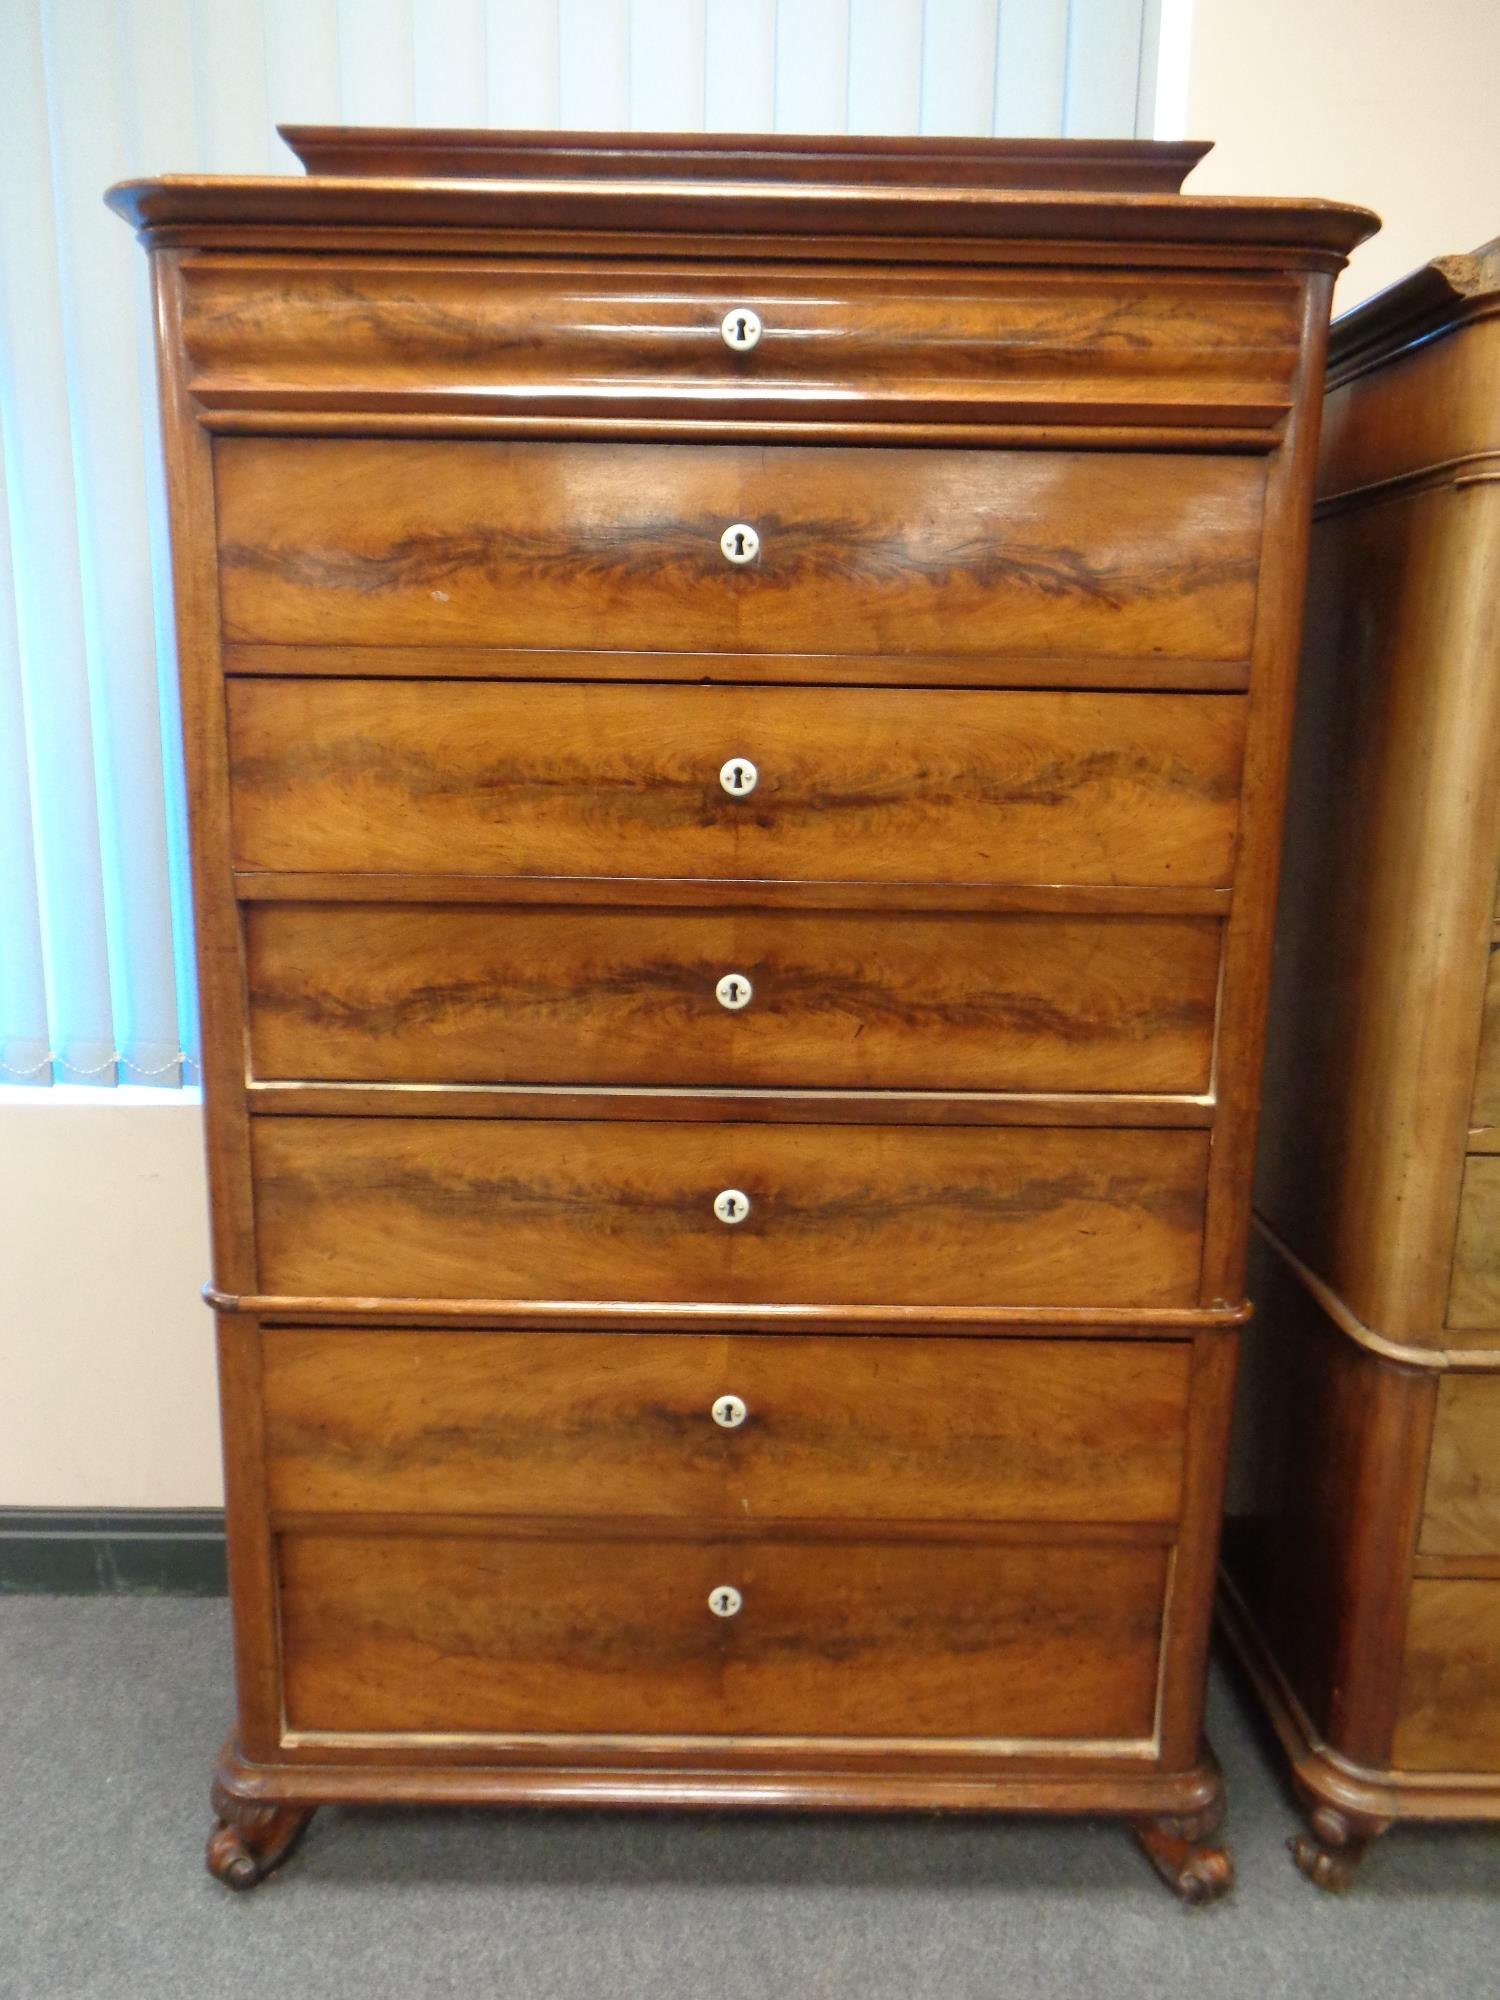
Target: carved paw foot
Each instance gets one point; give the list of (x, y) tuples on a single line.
[(1330, 1853), (1180, 1851), (248, 1840)]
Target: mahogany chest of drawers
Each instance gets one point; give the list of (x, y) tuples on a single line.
[(1363, 1582), (736, 698)]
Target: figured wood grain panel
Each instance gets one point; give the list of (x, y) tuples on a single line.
[(1484, 1112), (414, 333), (1384, 926), (426, 1422), (1474, 1296), (1462, 1515), (554, 544), (465, 1208), (838, 1000), (1450, 1680), (422, 1632), (933, 785), (1330, 1456)]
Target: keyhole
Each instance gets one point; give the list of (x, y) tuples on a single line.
[(741, 328), (733, 991), (731, 1205), (740, 543), (738, 776)]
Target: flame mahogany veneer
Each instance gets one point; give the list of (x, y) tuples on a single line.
[(901, 1485)]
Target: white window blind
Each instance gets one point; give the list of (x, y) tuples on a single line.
[(96, 980)]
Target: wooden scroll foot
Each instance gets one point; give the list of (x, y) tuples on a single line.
[(1181, 1852), (1330, 1852), (249, 1840)]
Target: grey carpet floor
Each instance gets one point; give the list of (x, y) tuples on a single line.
[(111, 1712)]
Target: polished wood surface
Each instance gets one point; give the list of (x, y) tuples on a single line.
[(463, 1208), (265, 332), (674, 892), (602, 1425), (566, 1632), (1462, 1512), (838, 1000), (860, 670), (418, 543), (1385, 919), (1474, 1296), (1362, 1567), (758, 219), (463, 656), (1099, 166), (564, 780), (1330, 1456), (1450, 1686), (1484, 1107)]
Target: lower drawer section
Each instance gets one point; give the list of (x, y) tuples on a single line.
[(1461, 1515), (1449, 1716), (572, 1210), (560, 1631), (1474, 1295)]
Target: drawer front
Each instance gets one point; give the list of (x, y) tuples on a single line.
[(1462, 1513), (833, 999), (1474, 1294), (887, 786), (620, 1210), (536, 545), (1184, 347), (1449, 1716), (1485, 1111), (561, 1632), (610, 1426)]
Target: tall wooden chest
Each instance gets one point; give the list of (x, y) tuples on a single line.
[(737, 695)]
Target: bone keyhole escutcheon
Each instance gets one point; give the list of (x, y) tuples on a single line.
[(741, 328), (740, 542), (731, 1205)]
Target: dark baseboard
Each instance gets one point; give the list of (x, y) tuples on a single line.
[(81, 1552)]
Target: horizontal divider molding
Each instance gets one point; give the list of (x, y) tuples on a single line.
[(271, 885), (503, 663)]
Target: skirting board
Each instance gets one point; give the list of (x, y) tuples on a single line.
[(77, 1552)]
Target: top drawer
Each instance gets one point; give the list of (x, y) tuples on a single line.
[(1081, 347), (1047, 554)]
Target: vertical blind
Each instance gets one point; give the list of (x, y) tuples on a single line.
[(96, 978)]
